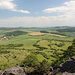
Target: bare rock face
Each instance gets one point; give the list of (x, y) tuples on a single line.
[(66, 73), (1, 72), (69, 65), (15, 70), (66, 68)]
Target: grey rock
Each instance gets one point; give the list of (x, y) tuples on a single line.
[(15, 70), (1, 72), (66, 73), (66, 68)]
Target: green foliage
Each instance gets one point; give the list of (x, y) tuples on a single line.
[(17, 49), (15, 33), (58, 33), (71, 29), (60, 44), (10, 46), (70, 51), (4, 66), (43, 54), (4, 51), (73, 42), (31, 61), (44, 67), (39, 48), (14, 45), (66, 54), (44, 31)]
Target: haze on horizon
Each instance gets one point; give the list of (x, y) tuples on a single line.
[(37, 13)]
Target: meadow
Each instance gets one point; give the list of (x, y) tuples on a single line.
[(45, 46)]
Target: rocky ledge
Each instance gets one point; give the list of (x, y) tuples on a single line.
[(15, 70), (66, 68)]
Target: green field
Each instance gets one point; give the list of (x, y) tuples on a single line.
[(43, 46)]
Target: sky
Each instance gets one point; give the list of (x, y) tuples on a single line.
[(37, 13)]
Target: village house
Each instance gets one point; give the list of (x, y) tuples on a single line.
[(4, 38)]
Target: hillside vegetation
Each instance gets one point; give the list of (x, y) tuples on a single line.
[(33, 51), (15, 33), (71, 29)]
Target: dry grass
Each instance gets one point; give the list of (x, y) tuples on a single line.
[(37, 33), (58, 35)]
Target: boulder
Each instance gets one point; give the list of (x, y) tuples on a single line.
[(15, 70), (66, 73), (66, 68)]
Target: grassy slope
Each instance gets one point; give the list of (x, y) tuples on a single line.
[(28, 42)]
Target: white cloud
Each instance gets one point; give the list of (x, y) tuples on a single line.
[(36, 21), (67, 12), (23, 11), (67, 9), (9, 5), (67, 18)]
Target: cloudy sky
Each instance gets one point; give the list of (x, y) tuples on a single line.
[(37, 13)]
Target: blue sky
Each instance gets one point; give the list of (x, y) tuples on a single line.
[(37, 13)]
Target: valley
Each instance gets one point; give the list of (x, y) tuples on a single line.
[(44, 46)]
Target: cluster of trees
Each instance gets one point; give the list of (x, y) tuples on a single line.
[(40, 68), (72, 29), (70, 51), (15, 33), (4, 51), (59, 45), (3, 48), (42, 53), (38, 46), (10, 46), (14, 45), (44, 31), (66, 54), (58, 33)]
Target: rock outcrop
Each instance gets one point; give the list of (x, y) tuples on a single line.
[(66, 73), (15, 70), (66, 68)]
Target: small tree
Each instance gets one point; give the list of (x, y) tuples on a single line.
[(31, 61), (44, 67), (70, 51), (66, 54)]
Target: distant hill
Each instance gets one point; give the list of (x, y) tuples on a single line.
[(70, 29), (44, 31), (15, 33)]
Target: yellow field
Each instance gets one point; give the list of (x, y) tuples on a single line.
[(58, 35), (37, 33)]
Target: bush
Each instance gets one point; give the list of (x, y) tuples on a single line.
[(30, 61), (44, 67), (15, 33), (44, 31)]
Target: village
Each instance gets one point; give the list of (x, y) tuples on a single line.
[(4, 38)]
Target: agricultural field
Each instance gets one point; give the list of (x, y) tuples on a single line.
[(45, 46)]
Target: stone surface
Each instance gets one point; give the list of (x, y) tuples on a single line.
[(66, 73), (15, 70), (66, 68)]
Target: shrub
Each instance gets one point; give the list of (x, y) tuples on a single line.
[(15, 33), (30, 61)]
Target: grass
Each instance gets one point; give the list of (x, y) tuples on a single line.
[(18, 54), (13, 58), (40, 57)]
